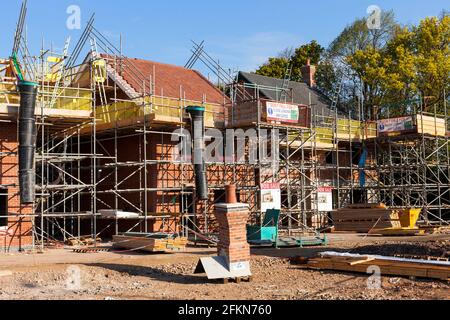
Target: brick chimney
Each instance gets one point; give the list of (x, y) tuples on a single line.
[(232, 218), (309, 74), (233, 260)]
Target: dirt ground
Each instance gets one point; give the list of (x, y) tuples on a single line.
[(64, 275)]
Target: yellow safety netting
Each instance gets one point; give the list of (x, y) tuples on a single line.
[(165, 109), (346, 130), (8, 94), (66, 98)]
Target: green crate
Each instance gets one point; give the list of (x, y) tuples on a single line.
[(269, 229)]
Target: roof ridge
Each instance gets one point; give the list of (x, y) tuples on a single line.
[(273, 78), (169, 76), (152, 61)]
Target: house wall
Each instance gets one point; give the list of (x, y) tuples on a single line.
[(165, 180), (17, 235)]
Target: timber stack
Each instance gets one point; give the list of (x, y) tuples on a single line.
[(364, 218), (154, 243)]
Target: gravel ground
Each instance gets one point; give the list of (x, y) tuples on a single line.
[(274, 279)]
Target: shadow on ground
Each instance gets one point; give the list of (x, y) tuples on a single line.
[(307, 252), (208, 252), (153, 273)]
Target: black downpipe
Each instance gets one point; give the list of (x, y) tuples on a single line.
[(198, 136), (27, 141)]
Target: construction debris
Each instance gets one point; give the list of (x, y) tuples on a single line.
[(82, 241), (438, 249), (435, 229), (147, 242), (91, 250), (416, 268)]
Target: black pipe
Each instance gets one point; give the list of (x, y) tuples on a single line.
[(27, 141), (198, 136)]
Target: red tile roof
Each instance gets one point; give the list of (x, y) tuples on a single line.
[(169, 78)]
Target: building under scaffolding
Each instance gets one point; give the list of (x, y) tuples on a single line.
[(105, 148)]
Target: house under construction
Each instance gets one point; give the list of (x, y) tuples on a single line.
[(87, 148)]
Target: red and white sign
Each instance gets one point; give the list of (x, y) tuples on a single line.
[(325, 199), (270, 186), (270, 196)]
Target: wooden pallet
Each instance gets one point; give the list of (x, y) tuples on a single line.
[(148, 244), (237, 280), (365, 217), (387, 267), (91, 250), (82, 241), (367, 206)]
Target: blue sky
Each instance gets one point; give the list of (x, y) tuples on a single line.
[(241, 34)]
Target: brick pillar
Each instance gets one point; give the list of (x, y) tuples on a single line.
[(233, 245)]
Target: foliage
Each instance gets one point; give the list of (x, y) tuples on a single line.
[(393, 66), (413, 64), (277, 67)]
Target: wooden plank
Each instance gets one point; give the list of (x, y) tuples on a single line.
[(388, 267), (431, 125), (149, 244), (365, 217), (367, 206), (354, 263)]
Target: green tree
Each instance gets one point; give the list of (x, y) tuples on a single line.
[(312, 51), (349, 54), (358, 36), (326, 78), (401, 84), (414, 65), (276, 67), (392, 66), (432, 52)]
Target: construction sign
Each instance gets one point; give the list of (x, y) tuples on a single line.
[(282, 112), (396, 125), (270, 196), (325, 199)]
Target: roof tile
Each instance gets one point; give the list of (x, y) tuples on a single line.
[(170, 78)]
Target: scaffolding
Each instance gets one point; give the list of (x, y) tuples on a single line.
[(413, 169), (315, 153), (105, 145)]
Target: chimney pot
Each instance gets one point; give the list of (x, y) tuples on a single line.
[(230, 191)]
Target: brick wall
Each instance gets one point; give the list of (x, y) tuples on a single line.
[(160, 175), (18, 234)]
